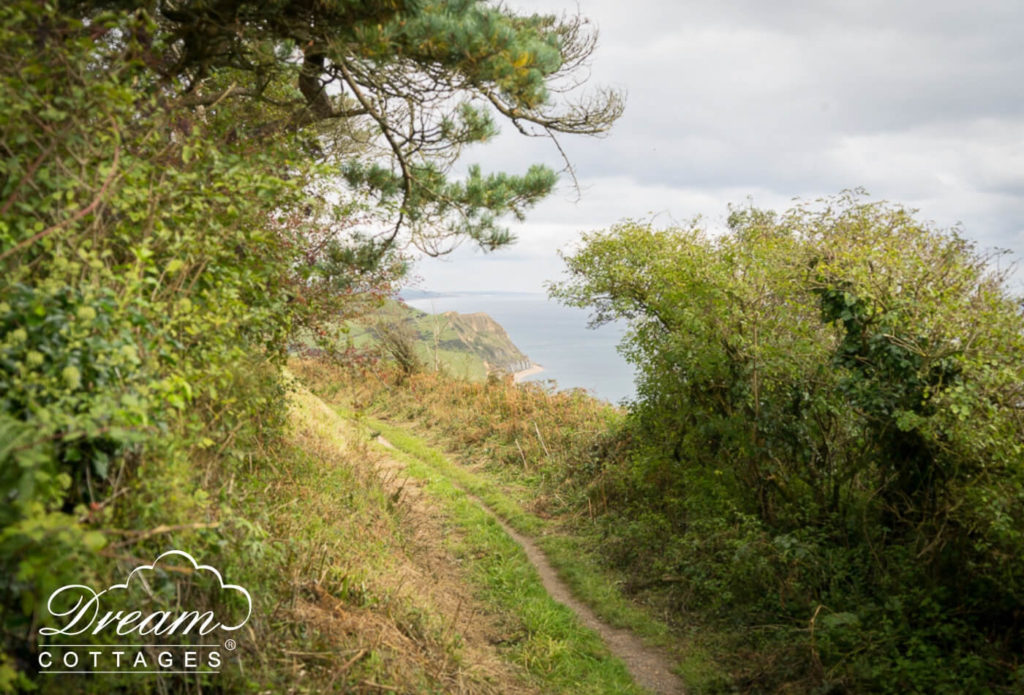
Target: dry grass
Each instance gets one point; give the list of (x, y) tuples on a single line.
[(558, 443), (363, 597)]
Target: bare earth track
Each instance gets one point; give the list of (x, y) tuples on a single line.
[(649, 667)]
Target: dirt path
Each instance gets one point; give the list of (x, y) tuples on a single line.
[(423, 578), (649, 667)]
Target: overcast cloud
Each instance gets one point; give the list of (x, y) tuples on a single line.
[(921, 103)]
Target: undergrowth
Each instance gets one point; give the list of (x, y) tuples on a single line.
[(744, 604)]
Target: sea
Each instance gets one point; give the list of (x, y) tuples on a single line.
[(552, 335)]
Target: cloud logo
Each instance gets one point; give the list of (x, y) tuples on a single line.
[(85, 608), (197, 567)]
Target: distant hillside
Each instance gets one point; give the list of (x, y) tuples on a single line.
[(486, 338), (408, 293), (466, 345)]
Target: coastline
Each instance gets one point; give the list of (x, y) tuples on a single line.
[(529, 371)]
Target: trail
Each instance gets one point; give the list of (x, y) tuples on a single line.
[(649, 667)]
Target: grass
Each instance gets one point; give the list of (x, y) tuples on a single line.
[(551, 643), (322, 553), (530, 456), (570, 555), (575, 565), (579, 568), (330, 554)]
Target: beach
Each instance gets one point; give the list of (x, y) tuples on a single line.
[(530, 371)]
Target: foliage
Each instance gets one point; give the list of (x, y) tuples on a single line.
[(137, 313), (515, 429), (389, 93), (170, 221), (398, 340), (829, 432)]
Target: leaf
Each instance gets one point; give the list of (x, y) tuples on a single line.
[(837, 620), (94, 540), (101, 465)]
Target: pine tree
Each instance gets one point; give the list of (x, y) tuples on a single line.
[(400, 86)]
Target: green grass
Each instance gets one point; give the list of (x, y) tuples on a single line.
[(588, 580), (442, 421), (476, 484), (552, 644), (569, 555), (462, 365), (321, 539), (572, 557)]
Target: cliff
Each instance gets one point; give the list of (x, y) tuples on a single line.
[(481, 335), (466, 345)]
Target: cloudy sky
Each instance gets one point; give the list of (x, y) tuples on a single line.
[(921, 103)]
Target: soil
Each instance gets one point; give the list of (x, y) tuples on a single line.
[(429, 573), (649, 667)]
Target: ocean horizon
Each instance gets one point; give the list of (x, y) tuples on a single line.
[(552, 335)]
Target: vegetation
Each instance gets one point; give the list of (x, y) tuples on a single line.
[(344, 595), (391, 90), (828, 441), (819, 483), (529, 465), (818, 488), (365, 598), (799, 529), (565, 654), (542, 461), (470, 346), (491, 423), (184, 188), (552, 644)]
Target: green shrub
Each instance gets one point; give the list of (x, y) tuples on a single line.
[(144, 310), (828, 433)]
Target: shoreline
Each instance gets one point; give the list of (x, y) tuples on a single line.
[(523, 373)]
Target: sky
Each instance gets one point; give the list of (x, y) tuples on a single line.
[(730, 101)]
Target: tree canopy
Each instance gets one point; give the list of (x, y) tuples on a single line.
[(389, 91)]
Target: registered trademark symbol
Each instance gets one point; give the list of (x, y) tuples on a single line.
[(230, 645)]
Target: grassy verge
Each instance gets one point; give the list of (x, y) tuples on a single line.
[(551, 645), (590, 581), (324, 554), (571, 556), (540, 462), (575, 563)]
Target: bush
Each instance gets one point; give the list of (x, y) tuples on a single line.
[(829, 423), (144, 308)]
